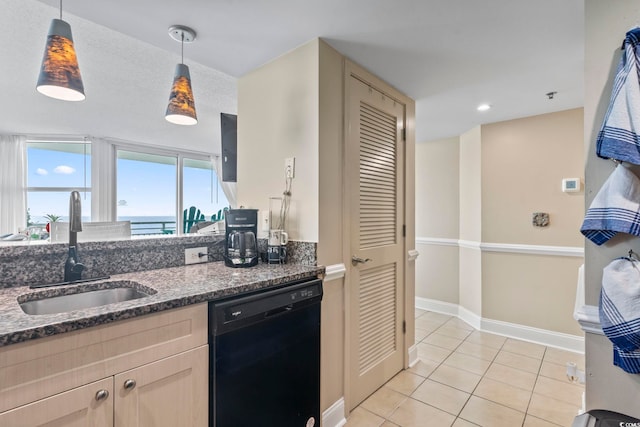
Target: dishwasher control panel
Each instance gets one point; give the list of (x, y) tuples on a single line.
[(241, 310)]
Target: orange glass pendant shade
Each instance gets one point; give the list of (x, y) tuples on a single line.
[(59, 74), (181, 109)]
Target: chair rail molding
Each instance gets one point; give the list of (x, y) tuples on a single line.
[(568, 251), (334, 272)]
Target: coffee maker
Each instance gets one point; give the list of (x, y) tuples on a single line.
[(240, 242)]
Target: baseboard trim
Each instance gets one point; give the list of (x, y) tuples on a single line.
[(470, 317), (334, 415), (545, 337), (437, 306)]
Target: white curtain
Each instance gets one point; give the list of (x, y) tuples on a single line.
[(103, 181), (13, 183), (229, 188)]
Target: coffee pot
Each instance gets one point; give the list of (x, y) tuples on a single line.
[(240, 244)]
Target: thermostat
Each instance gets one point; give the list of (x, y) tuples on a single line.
[(571, 185)]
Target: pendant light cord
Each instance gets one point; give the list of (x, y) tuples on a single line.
[(181, 48), (61, 10)]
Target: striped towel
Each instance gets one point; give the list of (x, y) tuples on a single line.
[(619, 137), (615, 209), (620, 311)]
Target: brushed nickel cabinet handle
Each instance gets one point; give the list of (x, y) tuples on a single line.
[(102, 394), (129, 384)]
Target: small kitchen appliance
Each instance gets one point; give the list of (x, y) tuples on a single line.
[(277, 246), (240, 243)]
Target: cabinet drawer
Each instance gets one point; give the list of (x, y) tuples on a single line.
[(39, 368)]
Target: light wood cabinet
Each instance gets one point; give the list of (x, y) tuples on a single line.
[(170, 392), (147, 371), (89, 405)]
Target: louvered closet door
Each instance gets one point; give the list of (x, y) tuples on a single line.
[(374, 171)]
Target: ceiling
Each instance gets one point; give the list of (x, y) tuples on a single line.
[(448, 55)]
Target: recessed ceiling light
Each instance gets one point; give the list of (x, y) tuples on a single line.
[(484, 107)]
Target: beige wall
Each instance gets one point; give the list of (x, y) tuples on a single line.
[(278, 118), (506, 171), (330, 221), (606, 23), (438, 197), (293, 106), (523, 164), (470, 168), (470, 258), (530, 290), (437, 215)]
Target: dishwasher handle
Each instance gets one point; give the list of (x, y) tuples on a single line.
[(280, 310)]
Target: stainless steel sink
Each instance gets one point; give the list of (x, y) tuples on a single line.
[(78, 301)]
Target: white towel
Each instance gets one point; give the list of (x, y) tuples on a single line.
[(620, 311), (619, 137), (616, 208)]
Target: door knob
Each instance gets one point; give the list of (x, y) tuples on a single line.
[(129, 384), (357, 260), (102, 394)]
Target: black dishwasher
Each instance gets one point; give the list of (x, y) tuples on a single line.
[(265, 358)]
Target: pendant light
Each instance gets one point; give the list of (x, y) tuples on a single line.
[(59, 74), (181, 109)]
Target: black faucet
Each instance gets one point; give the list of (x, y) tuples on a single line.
[(73, 268)]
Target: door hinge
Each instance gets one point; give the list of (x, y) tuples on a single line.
[(404, 134), (404, 230), (404, 326)]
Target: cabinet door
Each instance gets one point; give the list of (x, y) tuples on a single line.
[(90, 405), (170, 392)]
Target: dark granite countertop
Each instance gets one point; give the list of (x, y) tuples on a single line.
[(175, 287)]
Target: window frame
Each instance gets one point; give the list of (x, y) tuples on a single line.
[(62, 140)]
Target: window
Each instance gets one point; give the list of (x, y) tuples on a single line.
[(151, 187), (201, 188), (146, 192), (54, 169)]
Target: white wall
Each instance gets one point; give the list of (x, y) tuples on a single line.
[(127, 84), (437, 217), (278, 117), (470, 267)]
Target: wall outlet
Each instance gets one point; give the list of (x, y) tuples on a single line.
[(290, 167), (264, 221), (196, 255)]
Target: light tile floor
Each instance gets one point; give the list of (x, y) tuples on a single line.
[(467, 378)]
